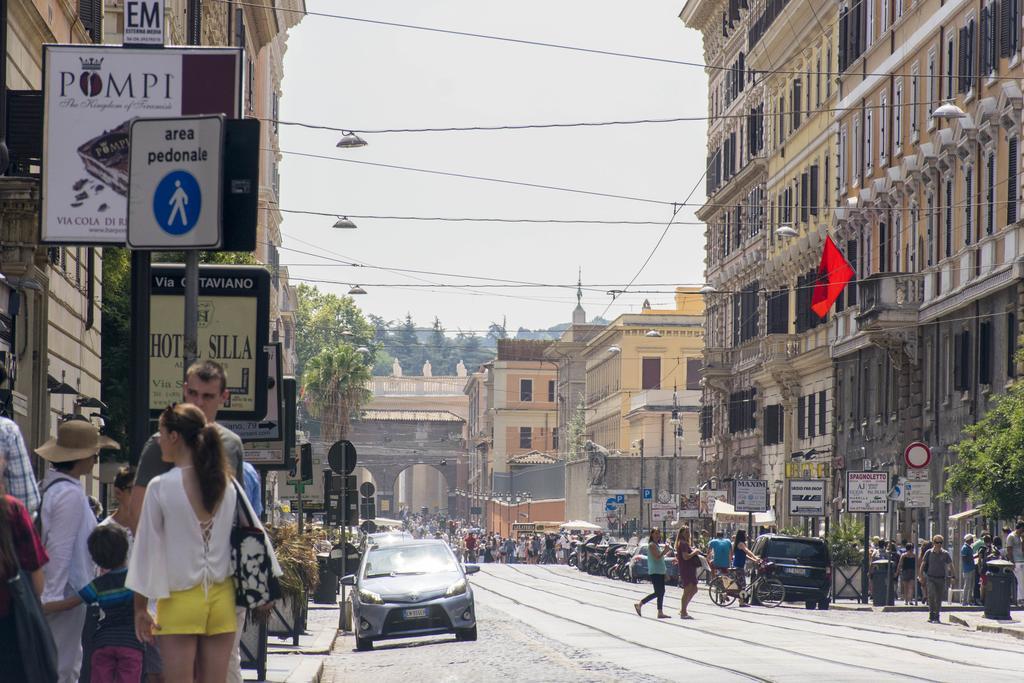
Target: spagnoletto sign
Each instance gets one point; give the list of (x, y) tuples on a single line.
[(92, 93), (234, 307)]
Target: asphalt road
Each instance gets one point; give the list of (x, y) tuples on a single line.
[(541, 623)]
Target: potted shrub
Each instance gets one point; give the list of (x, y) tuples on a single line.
[(844, 544), (296, 553)]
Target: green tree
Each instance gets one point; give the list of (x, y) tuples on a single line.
[(405, 345), (324, 320), (334, 387), (989, 468), (496, 331), (439, 350)]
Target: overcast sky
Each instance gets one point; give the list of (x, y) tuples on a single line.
[(362, 76)]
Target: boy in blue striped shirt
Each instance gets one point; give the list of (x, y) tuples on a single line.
[(117, 653)]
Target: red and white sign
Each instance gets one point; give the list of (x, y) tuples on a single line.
[(917, 455)]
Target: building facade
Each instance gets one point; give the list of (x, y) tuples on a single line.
[(930, 216), (640, 366), (735, 245)]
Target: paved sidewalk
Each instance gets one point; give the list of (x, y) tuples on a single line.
[(287, 663), (978, 622)]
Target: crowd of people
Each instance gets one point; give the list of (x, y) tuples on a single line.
[(158, 572)]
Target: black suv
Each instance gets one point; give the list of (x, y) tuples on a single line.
[(802, 564)]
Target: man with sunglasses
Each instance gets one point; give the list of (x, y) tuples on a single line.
[(206, 387)]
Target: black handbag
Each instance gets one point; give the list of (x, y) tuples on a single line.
[(255, 583), (35, 642)]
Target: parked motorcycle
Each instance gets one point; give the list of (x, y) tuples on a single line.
[(621, 563)]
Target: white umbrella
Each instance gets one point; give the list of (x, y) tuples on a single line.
[(581, 524)]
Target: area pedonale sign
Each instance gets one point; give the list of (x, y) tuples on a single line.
[(234, 305), (91, 94)]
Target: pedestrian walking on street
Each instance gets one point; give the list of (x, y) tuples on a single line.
[(206, 387), (688, 562), (18, 477), (116, 654), (967, 569), (182, 555), (937, 568), (906, 570), (1015, 554), (509, 549), (66, 521), (721, 552), (740, 555), (22, 550), (657, 570)]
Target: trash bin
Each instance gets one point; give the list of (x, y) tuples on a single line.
[(882, 589), (999, 589), (326, 592)]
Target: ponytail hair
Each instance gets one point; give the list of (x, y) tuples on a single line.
[(203, 440), (211, 466)]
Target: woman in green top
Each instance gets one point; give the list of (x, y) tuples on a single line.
[(656, 568)]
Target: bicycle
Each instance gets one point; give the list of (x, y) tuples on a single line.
[(763, 588)]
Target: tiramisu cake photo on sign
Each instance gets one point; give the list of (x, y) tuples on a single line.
[(106, 158)]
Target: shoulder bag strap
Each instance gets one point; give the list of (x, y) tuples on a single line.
[(241, 509)]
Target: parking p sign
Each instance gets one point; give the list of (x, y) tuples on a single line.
[(174, 183)]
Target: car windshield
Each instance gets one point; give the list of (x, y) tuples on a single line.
[(801, 551), (409, 559)]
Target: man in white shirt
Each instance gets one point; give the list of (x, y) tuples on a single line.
[(1015, 553), (67, 521)]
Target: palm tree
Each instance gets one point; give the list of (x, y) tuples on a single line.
[(334, 387)]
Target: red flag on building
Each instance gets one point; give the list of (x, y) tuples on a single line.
[(834, 272)]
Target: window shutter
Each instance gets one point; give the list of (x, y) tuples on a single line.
[(800, 416), (851, 256), (822, 412), (814, 190), (1004, 27), (957, 367), (810, 416), (1011, 182), (985, 353), (844, 29), (962, 60), (805, 195), (965, 361)]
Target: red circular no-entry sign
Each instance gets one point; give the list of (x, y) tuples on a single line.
[(917, 455)]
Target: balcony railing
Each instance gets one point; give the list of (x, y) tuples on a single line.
[(890, 299), (717, 361)]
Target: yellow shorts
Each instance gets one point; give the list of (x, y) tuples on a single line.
[(193, 612)]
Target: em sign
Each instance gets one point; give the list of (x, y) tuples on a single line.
[(143, 22), (174, 183)]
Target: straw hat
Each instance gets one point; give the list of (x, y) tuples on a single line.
[(76, 439)]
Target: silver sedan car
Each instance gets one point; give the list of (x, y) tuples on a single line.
[(411, 589)]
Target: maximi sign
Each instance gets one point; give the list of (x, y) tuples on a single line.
[(751, 495), (234, 305), (91, 95)]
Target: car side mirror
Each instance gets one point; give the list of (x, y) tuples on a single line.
[(349, 580), (472, 568)]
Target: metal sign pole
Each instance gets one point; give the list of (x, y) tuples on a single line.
[(342, 621)]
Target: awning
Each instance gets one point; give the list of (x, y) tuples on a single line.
[(966, 514), (581, 525), (726, 513)]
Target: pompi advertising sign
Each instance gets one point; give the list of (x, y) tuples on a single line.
[(91, 95)]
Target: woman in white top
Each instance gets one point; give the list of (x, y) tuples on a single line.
[(182, 553)]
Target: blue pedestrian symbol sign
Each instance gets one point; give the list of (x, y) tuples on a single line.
[(610, 507), (175, 183), (177, 202)]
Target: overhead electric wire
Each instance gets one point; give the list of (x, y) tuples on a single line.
[(577, 48), (467, 176)]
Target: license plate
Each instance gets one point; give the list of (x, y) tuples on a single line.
[(418, 613), (798, 571)]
